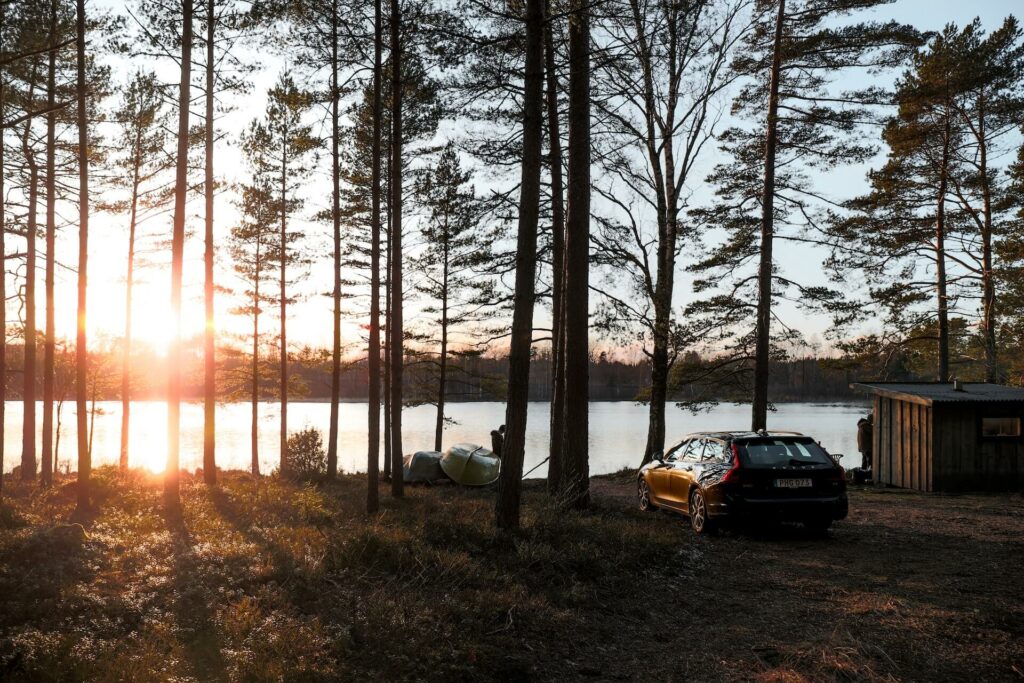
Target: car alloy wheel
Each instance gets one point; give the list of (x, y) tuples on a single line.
[(698, 512), (643, 493)]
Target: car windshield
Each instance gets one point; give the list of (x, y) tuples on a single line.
[(779, 451)]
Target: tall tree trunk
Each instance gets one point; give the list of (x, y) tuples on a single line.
[(56, 439), (387, 352), (126, 351), (557, 426), (3, 262), (174, 360), (443, 370), (332, 440), (576, 465), (942, 370), (254, 432), (283, 255), (373, 355), (658, 138), (659, 395), (92, 410), (81, 349), (988, 287), (396, 329), (49, 343), (762, 333), (28, 433), (514, 447), (209, 341)]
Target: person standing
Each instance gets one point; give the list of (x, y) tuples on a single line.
[(865, 429), (497, 440)]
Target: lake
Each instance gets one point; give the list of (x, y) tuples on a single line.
[(618, 431)]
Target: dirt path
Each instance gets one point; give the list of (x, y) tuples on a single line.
[(910, 587)]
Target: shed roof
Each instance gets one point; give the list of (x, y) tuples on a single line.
[(929, 393)]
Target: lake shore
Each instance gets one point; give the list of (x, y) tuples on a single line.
[(272, 581), (617, 435)]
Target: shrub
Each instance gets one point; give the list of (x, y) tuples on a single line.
[(307, 459)]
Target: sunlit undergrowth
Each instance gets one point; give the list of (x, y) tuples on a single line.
[(272, 580)]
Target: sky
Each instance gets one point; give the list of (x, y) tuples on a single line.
[(309, 318)]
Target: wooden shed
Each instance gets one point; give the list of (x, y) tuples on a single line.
[(947, 436)]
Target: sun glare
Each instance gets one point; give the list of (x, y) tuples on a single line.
[(153, 326), (148, 446)]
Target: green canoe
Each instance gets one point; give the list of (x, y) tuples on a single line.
[(471, 465), (423, 467)]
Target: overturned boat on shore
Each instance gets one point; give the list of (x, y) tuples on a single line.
[(471, 465), (423, 467)]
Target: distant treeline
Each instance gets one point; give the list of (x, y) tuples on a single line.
[(477, 378)]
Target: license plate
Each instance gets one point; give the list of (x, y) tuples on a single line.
[(792, 483)]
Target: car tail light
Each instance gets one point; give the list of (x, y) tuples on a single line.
[(836, 474), (733, 475)]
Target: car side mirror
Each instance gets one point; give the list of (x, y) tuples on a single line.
[(658, 457)]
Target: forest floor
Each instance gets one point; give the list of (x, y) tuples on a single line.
[(275, 581)]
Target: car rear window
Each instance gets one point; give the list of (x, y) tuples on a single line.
[(781, 451)]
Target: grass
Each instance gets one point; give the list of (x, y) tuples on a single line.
[(273, 581)]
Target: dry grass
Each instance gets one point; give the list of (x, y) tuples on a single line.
[(273, 581)]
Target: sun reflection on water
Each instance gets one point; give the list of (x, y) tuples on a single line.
[(616, 439)]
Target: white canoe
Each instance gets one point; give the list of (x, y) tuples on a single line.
[(471, 465)]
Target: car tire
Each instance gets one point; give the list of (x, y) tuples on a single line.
[(698, 512), (643, 495)]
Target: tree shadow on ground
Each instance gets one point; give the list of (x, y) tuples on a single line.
[(302, 593), (191, 605)]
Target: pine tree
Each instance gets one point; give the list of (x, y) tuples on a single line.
[(1010, 273), (174, 356), (801, 124), (907, 227), (278, 147), (60, 27), (396, 329), (324, 31), (575, 478), (373, 351), (222, 26), (366, 204), (938, 204), (81, 349), (45, 67), (657, 94), (140, 169), (557, 410), (991, 104), (26, 95), (3, 248), (209, 329), (252, 245), (451, 273), (513, 450), (28, 393)]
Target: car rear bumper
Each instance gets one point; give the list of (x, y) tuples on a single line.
[(782, 509)]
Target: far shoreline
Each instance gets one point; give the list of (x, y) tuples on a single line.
[(199, 401)]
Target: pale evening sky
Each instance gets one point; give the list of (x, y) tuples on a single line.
[(310, 318)]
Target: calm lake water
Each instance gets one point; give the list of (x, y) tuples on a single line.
[(618, 431)]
